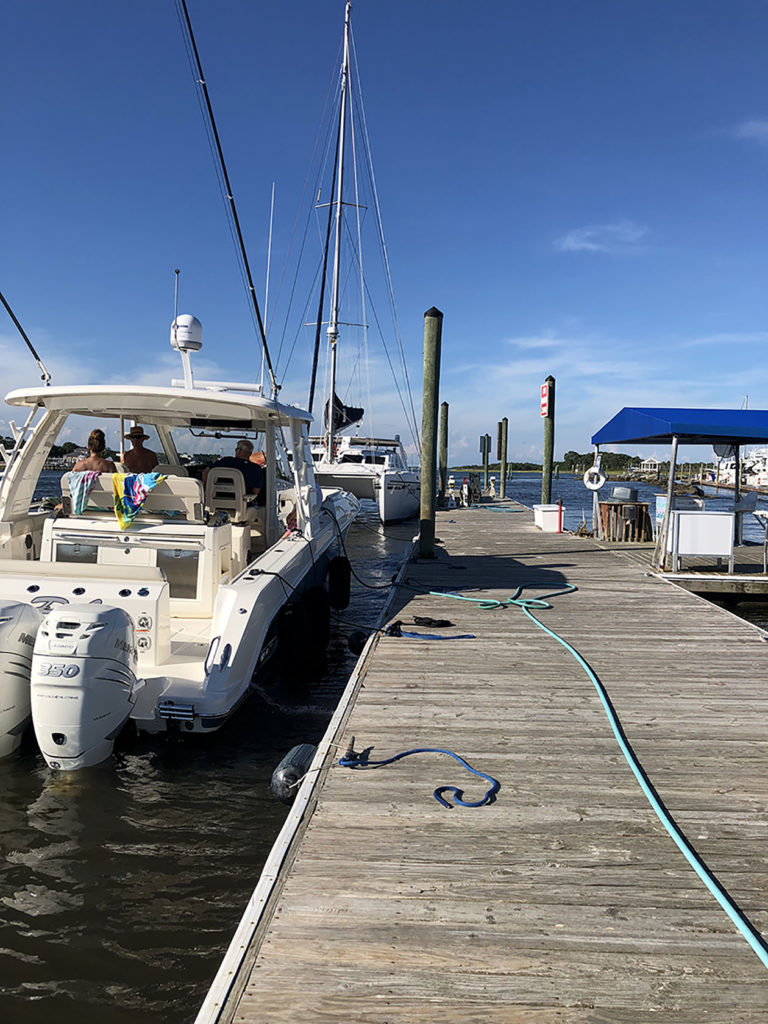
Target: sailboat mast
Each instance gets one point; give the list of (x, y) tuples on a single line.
[(333, 324)]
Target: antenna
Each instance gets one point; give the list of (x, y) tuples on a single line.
[(175, 295), (45, 375), (269, 262)]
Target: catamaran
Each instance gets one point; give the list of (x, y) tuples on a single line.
[(153, 599), (367, 465)]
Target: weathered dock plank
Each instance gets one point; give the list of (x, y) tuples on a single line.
[(565, 900)]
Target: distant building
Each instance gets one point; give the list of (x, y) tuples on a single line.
[(650, 466)]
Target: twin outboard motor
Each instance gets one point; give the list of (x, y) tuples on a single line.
[(83, 683), (19, 624)]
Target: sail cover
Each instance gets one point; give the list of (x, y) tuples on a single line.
[(343, 415)]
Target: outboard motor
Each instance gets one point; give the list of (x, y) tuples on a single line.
[(19, 624), (83, 683)]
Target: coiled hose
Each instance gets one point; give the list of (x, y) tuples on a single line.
[(742, 923)]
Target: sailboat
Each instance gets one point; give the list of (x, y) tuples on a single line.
[(364, 464)]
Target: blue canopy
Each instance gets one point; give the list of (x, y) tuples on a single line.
[(690, 426)]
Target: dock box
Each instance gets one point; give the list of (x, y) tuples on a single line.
[(548, 518)]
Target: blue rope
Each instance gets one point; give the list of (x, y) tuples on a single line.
[(748, 931), (360, 761)]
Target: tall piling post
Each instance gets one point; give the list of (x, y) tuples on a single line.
[(442, 473), (548, 413), (433, 330), (485, 445), (503, 459)]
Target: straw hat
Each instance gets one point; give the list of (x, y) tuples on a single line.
[(135, 433)]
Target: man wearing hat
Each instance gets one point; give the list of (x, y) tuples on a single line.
[(139, 459)]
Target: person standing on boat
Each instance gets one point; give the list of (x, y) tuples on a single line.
[(139, 459), (95, 462), (253, 473)]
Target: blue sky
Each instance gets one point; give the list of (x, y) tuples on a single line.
[(580, 187)]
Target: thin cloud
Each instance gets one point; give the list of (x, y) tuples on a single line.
[(754, 129), (728, 338), (615, 239)]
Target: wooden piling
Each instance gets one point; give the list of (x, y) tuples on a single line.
[(549, 444), (442, 475), (433, 330), (503, 459)]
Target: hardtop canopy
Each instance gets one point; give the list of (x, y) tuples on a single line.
[(690, 426), (158, 405)]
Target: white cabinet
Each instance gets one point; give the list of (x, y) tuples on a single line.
[(696, 532)]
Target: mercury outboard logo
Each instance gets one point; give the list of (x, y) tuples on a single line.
[(25, 638), (122, 645)]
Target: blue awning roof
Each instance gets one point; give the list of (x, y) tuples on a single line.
[(690, 426)]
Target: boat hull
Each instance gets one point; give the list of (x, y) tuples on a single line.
[(399, 496), (397, 492)]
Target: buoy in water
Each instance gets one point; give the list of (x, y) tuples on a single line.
[(294, 766)]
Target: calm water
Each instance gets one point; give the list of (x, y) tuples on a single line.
[(121, 886)]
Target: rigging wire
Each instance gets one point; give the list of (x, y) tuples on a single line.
[(400, 377), (181, 6), (323, 280), (327, 121), (45, 376), (375, 195), (363, 317)]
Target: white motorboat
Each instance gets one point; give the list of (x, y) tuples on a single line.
[(374, 468), (165, 620), (367, 465), (755, 468)]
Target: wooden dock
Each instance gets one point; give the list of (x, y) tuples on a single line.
[(565, 900)]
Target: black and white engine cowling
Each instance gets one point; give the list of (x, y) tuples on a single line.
[(19, 624), (83, 683)]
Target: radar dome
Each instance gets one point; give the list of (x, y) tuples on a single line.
[(186, 333)]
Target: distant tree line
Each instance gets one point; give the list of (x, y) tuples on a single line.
[(611, 462)]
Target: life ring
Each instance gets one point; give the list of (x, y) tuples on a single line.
[(594, 479)]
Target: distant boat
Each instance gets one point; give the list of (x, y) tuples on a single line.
[(365, 465)]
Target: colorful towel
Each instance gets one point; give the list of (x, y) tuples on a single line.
[(129, 491), (80, 486)]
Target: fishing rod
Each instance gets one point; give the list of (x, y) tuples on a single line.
[(45, 375), (182, 6)]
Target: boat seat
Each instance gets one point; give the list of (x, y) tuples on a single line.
[(177, 495), (746, 503), (170, 469), (225, 492)]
